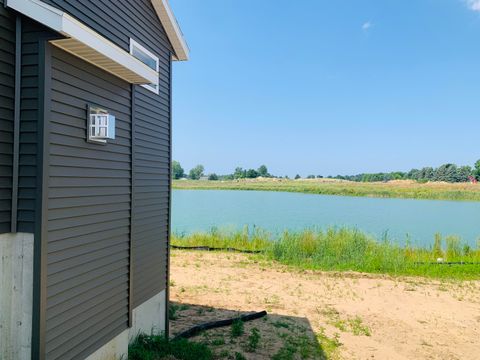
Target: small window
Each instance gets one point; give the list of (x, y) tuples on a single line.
[(146, 57), (100, 125)]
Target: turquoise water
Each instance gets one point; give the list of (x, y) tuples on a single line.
[(401, 219)]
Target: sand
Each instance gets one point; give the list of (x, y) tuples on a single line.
[(396, 318)]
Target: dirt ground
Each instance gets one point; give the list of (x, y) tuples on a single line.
[(348, 315)]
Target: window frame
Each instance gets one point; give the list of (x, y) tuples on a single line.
[(136, 45)]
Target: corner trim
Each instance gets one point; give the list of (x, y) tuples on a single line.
[(169, 233), (16, 122), (41, 234), (132, 207)]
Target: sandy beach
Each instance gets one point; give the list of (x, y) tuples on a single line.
[(360, 316)]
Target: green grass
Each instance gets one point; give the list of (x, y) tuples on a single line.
[(344, 249), (237, 329), (156, 347), (256, 240), (394, 189), (253, 340)]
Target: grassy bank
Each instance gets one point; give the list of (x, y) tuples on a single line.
[(346, 249), (393, 189)]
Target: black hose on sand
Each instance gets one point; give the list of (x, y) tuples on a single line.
[(216, 324)]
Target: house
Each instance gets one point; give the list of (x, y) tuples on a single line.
[(85, 153)]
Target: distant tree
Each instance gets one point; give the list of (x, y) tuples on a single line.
[(263, 171), (196, 173), (286, 177), (311, 177), (447, 173), (297, 177), (319, 176), (252, 174), (397, 175), (427, 173), (239, 173), (476, 172), (464, 172), (177, 170), (213, 177), (413, 174)]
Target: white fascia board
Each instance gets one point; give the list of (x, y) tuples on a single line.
[(75, 29), (170, 24), (38, 10), (70, 27)]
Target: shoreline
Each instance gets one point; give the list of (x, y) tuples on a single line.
[(344, 250), (401, 189)]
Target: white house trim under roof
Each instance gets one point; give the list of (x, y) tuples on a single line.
[(85, 43), (170, 24)]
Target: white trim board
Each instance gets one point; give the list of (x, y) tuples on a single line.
[(85, 43), (170, 24)]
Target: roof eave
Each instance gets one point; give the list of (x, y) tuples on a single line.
[(85, 43), (174, 33)]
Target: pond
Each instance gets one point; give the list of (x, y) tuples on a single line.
[(401, 219)]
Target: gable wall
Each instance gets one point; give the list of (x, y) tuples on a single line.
[(88, 218)]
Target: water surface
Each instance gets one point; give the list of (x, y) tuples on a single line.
[(418, 220)]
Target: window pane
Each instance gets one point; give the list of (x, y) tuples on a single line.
[(146, 59)]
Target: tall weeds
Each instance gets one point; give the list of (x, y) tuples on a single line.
[(343, 249)]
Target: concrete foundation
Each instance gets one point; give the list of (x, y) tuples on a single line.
[(147, 318), (115, 349), (16, 296)]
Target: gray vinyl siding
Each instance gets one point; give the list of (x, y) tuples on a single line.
[(29, 155), (89, 210), (151, 192), (7, 94)]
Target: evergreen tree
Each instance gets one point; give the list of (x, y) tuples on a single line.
[(477, 170)]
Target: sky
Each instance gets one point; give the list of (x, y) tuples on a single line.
[(327, 87)]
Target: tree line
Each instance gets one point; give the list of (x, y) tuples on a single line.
[(197, 173), (447, 173)]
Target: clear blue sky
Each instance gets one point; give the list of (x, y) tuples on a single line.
[(327, 87)]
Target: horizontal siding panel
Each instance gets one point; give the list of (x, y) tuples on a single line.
[(77, 328), (88, 153), (60, 235), (85, 182), (79, 325), (86, 239), (95, 267), (73, 222), (67, 300), (92, 191), (101, 337), (100, 298), (83, 332)]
